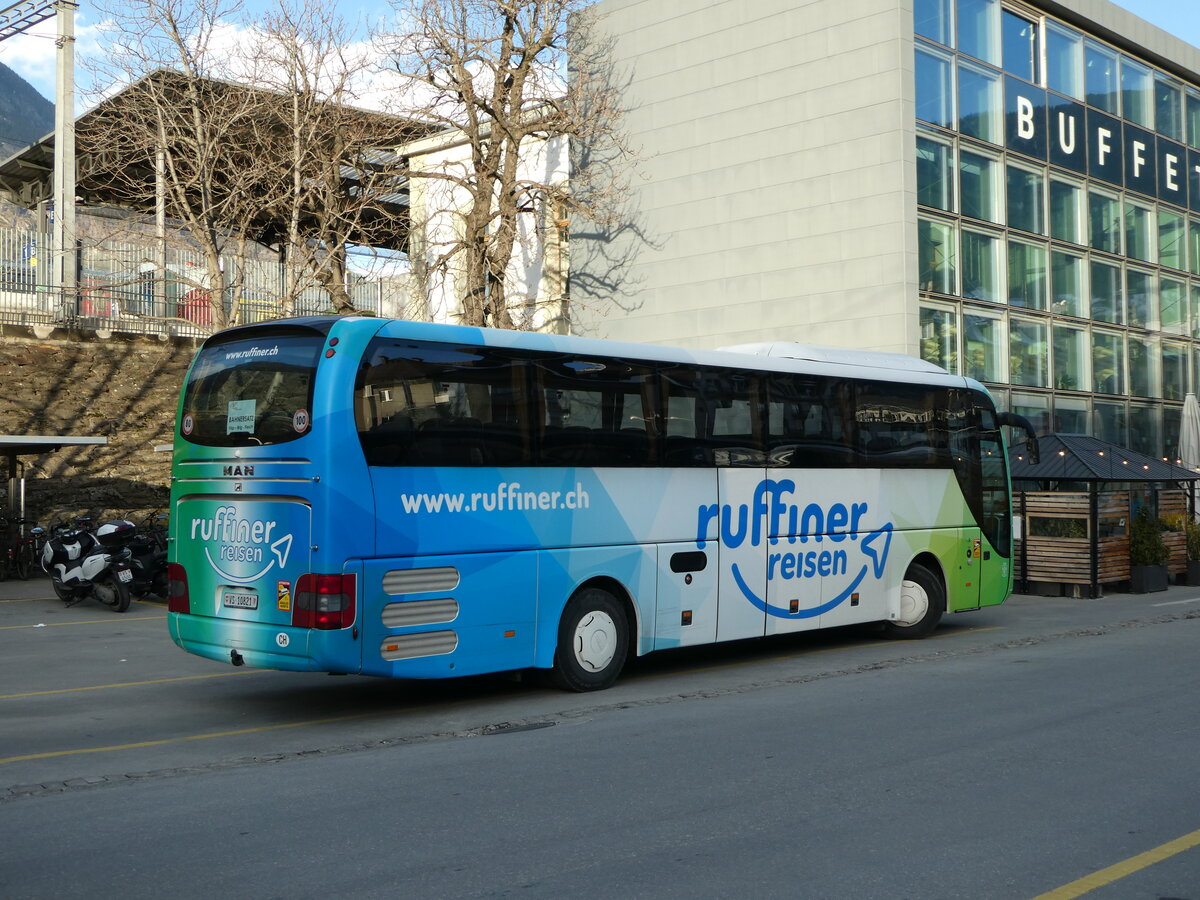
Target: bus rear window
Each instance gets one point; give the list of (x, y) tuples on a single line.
[(252, 390)]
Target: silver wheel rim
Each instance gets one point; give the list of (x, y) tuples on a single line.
[(595, 641), (914, 603)]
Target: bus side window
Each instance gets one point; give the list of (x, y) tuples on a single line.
[(430, 404), (809, 422), (901, 426), (596, 412)]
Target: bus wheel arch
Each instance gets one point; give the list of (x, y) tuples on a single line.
[(923, 599), (595, 636)]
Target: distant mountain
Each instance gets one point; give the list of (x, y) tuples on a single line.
[(25, 115)]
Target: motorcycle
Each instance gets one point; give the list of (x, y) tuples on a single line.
[(148, 562), (83, 564)]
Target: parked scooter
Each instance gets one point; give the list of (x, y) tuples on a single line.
[(82, 564)]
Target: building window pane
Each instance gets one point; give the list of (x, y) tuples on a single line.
[(1064, 60), (1172, 416), (1168, 108), (1173, 306), (1035, 408), (1020, 46), (1143, 367), (980, 110), (1145, 430), (1139, 299), (1071, 358), (1100, 76), (1104, 223), (1107, 299), (1028, 357), (939, 338), (933, 89), (1193, 120), (1108, 422), (977, 186), (1108, 363), (1194, 309), (1194, 246), (1025, 199), (979, 29), (980, 267), (934, 174), (1174, 371), (1026, 275), (931, 19), (1071, 415), (984, 347), (1139, 232), (1066, 285), (936, 251), (1171, 244), (1137, 93), (1066, 204)]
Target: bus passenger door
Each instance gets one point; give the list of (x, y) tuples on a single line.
[(968, 570), (742, 523)]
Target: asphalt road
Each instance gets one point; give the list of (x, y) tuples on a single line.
[(1018, 751)]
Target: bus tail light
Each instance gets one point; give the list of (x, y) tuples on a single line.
[(178, 600), (324, 601)]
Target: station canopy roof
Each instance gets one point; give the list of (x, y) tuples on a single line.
[(1080, 457), (26, 178)]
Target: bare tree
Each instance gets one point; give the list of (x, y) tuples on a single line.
[(493, 74), (344, 184), (178, 139)]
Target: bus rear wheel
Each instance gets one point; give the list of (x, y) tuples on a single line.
[(922, 602), (593, 641)]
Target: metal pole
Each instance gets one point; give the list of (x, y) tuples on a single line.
[(65, 256)]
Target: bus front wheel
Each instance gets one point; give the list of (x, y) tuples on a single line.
[(922, 602), (593, 640)]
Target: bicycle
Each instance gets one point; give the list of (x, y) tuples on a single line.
[(20, 550)]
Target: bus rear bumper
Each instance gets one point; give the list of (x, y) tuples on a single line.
[(263, 646)]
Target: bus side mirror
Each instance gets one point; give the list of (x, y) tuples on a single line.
[(1032, 447)]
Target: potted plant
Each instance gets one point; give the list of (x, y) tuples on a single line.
[(1192, 530), (1148, 554)]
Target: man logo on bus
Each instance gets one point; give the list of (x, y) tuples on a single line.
[(834, 530)]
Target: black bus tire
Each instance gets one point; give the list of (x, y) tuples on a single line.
[(593, 641), (923, 605)]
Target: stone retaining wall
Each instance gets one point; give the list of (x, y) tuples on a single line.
[(124, 390)]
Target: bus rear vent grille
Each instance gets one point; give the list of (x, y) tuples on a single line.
[(410, 646), (420, 581), (420, 612)]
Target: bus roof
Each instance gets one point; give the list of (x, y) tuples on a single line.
[(780, 356)]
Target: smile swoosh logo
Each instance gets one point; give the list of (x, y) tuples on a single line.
[(875, 547)]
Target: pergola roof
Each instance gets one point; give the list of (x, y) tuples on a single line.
[(1080, 457)]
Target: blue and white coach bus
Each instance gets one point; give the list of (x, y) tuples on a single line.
[(392, 498)]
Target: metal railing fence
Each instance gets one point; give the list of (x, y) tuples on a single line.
[(128, 287)]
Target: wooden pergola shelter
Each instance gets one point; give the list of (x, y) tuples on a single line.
[(1109, 473)]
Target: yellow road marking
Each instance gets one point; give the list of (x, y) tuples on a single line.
[(23, 599), (1123, 869), (81, 622), (105, 687), (179, 740)]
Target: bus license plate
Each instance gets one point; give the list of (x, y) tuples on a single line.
[(241, 599)]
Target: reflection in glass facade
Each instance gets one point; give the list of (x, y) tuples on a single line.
[(1059, 220)]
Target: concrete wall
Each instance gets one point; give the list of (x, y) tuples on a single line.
[(776, 198)]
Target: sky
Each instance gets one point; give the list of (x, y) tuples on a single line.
[(31, 55)]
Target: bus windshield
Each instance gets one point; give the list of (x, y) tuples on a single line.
[(252, 390)]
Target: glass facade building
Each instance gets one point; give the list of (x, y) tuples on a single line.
[(1058, 192)]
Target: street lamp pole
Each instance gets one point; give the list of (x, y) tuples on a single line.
[(65, 254)]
